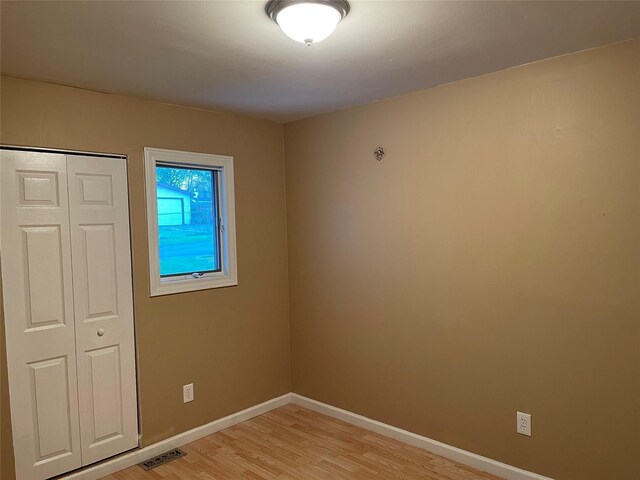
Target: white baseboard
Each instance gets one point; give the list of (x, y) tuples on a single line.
[(121, 462), (134, 457), (452, 453)]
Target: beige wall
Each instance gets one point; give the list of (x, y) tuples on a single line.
[(7, 466), (490, 263), (232, 343)]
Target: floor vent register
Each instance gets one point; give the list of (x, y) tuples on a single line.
[(162, 459)]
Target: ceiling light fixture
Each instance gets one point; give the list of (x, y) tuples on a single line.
[(307, 21)]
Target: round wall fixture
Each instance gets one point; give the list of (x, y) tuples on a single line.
[(378, 153), (307, 21)]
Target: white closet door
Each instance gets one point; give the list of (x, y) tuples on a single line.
[(38, 303), (103, 305)]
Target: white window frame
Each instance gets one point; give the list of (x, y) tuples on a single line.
[(228, 275)]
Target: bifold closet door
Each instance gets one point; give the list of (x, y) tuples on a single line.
[(66, 277), (103, 303), (39, 317)]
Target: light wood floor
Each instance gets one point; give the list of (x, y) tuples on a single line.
[(295, 443)]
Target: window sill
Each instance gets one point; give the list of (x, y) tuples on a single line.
[(169, 287)]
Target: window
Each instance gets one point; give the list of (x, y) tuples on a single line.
[(191, 221)]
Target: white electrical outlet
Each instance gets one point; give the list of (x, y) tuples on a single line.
[(187, 393), (524, 423)]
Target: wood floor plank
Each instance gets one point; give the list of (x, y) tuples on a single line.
[(293, 443)]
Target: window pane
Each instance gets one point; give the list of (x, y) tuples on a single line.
[(187, 220)]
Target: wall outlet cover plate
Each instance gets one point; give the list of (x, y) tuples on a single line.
[(523, 426)]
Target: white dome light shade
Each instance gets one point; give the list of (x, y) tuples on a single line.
[(309, 21)]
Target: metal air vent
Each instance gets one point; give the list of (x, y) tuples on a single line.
[(162, 459)]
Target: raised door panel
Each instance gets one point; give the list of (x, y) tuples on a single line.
[(38, 303), (99, 260), (103, 305), (106, 392), (42, 259), (50, 404)]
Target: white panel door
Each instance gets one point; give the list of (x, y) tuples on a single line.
[(99, 216), (39, 317)]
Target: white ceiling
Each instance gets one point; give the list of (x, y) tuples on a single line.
[(229, 56)]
